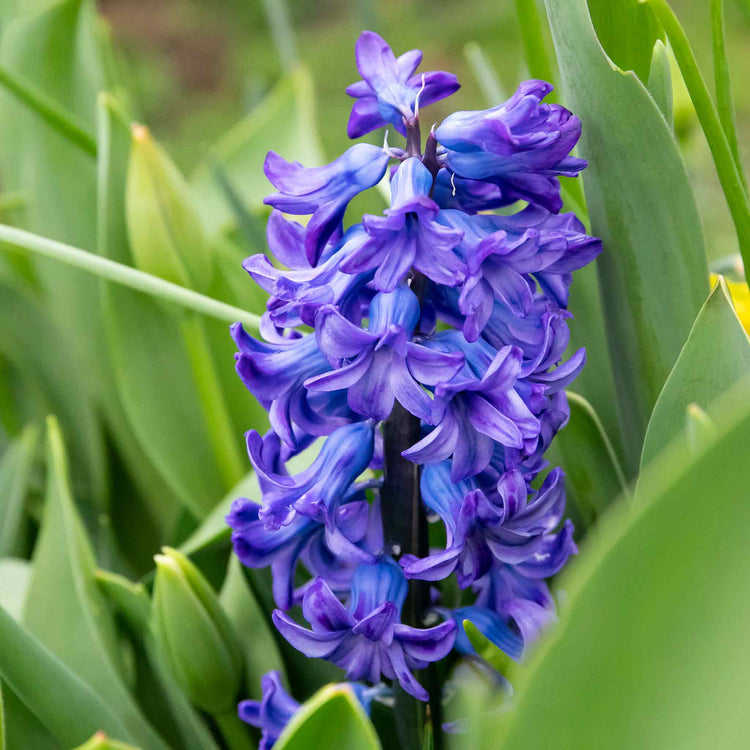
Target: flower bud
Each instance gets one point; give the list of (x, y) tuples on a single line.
[(100, 741), (166, 235), (194, 635)]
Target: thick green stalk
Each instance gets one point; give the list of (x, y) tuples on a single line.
[(233, 731), (729, 175), (221, 432), (127, 276)]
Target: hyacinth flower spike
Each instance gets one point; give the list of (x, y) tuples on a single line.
[(439, 330), (367, 639)]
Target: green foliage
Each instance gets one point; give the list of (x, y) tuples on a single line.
[(648, 625), (644, 211), (15, 468), (715, 356), (332, 718)]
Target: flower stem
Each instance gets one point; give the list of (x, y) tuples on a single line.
[(405, 531)]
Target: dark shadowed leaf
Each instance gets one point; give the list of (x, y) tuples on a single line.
[(15, 468)]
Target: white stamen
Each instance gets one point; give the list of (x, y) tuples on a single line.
[(453, 183), (388, 150), (419, 93)]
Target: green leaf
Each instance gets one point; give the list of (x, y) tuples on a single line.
[(82, 632), (15, 575), (58, 390), (660, 81), (22, 728), (653, 269), (144, 339), (166, 235), (283, 121), (167, 705), (699, 427), (186, 612), (715, 356), (627, 30), (653, 614), (333, 719), (534, 45), (254, 634), (593, 475), (485, 648), (66, 706), (15, 469), (55, 49)]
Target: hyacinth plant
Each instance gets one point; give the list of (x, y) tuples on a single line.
[(434, 373), (455, 529)]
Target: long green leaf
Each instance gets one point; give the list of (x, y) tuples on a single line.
[(532, 37), (652, 614), (47, 109), (82, 632), (126, 276), (22, 727), (67, 707), (715, 356), (653, 269), (332, 718), (731, 178), (723, 83), (53, 46), (15, 468)]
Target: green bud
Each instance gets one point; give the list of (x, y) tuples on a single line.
[(165, 232), (194, 635)]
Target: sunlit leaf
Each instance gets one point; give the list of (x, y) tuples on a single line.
[(15, 575), (660, 81), (333, 719)]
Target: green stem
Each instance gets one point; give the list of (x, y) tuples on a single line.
[(729, 176), (723, 83), (220, 429), (127, 276), (48, 110), (233, 731)]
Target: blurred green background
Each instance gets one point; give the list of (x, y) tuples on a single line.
[(196, 66)]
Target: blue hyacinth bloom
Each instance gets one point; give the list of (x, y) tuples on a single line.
[(389, 89), (522, 146), (366, 638), (408, 235), (324, 192)]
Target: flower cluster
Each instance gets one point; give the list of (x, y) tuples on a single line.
[(451, 310)]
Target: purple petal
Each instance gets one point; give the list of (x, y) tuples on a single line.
[(314, 645)]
